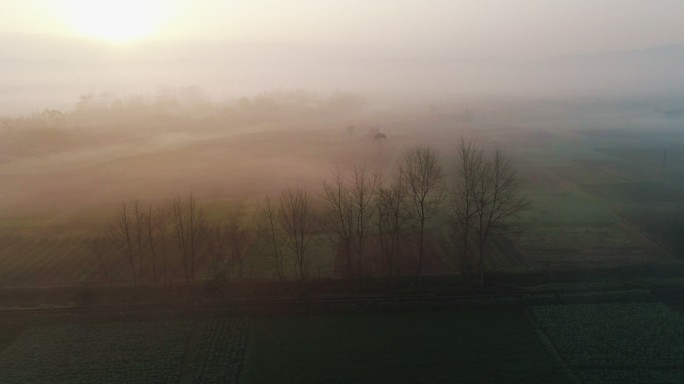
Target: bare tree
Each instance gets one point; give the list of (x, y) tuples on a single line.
[(239, 238), (421, 174), (101, 248), (469, 168), (339, 217), (151, 227), (496, 199), (139, 230), (362, 195), (123, 235), (189, 226), (216, 240), (390, 203), (349, 213), (295, 217), (270, 215), (162, 222)]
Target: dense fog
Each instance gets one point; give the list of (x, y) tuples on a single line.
[(94, 118), (53, 72)]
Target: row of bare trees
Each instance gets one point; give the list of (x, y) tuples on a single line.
[(139, 232), (289, 222), (147, 236), (155, 241), (486, 196), (349, 213), (361, 201), (480, 199), (367, 216)]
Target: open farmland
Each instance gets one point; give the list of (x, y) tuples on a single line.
[(596, 199), (594, 203), (257, 192)]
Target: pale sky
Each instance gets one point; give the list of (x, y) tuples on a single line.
[(517, 29)]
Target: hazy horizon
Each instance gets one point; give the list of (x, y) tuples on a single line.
[(53, 52), (529, 29)]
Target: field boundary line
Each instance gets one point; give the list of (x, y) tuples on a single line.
[(541, 335), (190, 345), (246, 323)]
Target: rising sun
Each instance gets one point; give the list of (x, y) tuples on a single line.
[(116, 21)]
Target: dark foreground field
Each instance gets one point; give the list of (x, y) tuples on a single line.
[(468, 347), (616, 338)]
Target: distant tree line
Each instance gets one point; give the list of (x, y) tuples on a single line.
[(377, 224)]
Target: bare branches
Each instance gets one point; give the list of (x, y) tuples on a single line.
[(469, 165), (362, 194), (161, 221), (123, 233), (485, 198), (216, 246), (151, 228), (349, 212), (269, 214), (421, 174), (239, 238), (339, 217), (139, 230), (189, 226), (391, 222), (295, 217), (138, 216), (100, 246)]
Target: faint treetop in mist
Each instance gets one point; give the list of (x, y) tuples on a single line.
[(52, 117)]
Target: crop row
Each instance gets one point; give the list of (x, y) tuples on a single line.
[(220, 351), (126, 352), (129, 352), (626, 343)]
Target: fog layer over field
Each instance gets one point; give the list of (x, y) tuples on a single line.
[(233, 103), (56, 71), (603, 178), (175, 140)]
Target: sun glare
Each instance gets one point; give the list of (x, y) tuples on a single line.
[(117, 21)]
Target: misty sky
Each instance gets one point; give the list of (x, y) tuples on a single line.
[(53, 51), (518, 29)]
